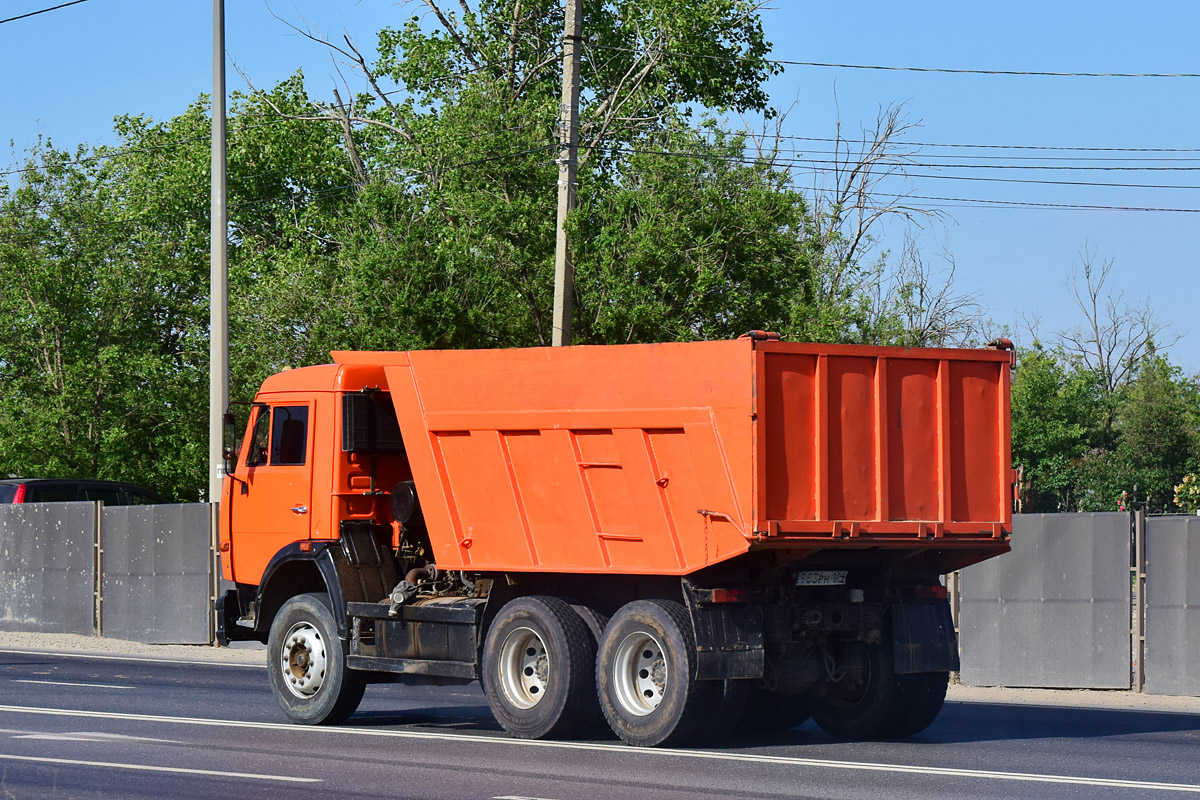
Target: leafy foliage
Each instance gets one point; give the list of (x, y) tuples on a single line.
[(1076, 460), (417, 217)]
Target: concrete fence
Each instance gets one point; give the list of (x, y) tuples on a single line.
[(1106, 601), (144, 573), (1086, 601)]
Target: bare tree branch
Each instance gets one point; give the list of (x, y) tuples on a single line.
[(342, 113), (454, 34), (405, 131), (1115, 337)]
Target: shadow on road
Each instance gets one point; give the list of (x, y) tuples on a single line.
[(958, 723), (994, 722)]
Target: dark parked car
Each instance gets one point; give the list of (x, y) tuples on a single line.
[(59, 490)]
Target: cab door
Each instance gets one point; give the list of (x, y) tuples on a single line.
[(275, 509)]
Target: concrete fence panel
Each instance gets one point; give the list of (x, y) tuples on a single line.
[(157, 568), (47, 567), (1055, 612), (1173, 605)]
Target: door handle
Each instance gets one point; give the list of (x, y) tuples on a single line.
[(299, 509)]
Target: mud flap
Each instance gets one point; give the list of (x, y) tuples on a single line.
[(729, 642), (923, 638)]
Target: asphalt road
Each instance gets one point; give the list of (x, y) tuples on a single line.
[(87, 727)]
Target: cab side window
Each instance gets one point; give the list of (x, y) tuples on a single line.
[(289, 435), (259, 438)]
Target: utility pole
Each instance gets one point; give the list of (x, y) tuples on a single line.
[(568, 170), (218, 312)]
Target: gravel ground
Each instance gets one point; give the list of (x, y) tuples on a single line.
[(255, 654)]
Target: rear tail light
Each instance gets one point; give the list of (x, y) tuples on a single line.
[(19, 497), (937, 592), (731, 595)]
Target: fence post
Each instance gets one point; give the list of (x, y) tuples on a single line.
[(954, 590), (214, 571), (98, 561), (1138, 586)]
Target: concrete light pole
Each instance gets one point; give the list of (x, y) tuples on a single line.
[(218, 315), (568, 169)]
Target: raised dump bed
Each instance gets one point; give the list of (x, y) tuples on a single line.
[(667, 458)]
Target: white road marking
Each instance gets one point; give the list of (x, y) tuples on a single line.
[(69, 683), (144, 768), (83, 736), (703, 755), (88, 736), (516, 797), (105, 657)]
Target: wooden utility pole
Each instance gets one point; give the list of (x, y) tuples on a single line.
[(568, 170)]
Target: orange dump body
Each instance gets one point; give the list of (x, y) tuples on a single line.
[(668, 458)]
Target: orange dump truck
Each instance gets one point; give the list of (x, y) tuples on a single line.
[(677, 540)]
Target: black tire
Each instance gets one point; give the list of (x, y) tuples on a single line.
[(596, 727), (923, 693), (726, 719), (538, 670), (869, 709), (772, 712), (646, 675), (306, 662)]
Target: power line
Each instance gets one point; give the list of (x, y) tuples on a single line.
[(43, 11), (844, 154), (889, 68), (969, 202), (776, 163), (273, 121), (905, 162), (1052, 183), (145, 219), (1014, 146), (950, 71)]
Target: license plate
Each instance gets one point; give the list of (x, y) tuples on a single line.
[(832, 577)]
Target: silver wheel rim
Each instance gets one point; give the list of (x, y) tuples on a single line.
[(639, 676), (524, 668), (303, 660)]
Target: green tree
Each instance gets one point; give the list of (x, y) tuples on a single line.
[(98, 375), (1157, 442), (1055, 411), (418, 214)]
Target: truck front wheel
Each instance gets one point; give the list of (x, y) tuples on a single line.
[(307, 663), (538, 663), (646, 671)]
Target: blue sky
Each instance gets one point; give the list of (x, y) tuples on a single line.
[(69, 72)]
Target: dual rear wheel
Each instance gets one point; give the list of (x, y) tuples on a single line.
[(547, 663), (878, 703), (551, 670)]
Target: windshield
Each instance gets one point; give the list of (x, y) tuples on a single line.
[(7, 492)]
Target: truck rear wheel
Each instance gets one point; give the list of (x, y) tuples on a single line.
[(924, 693), (646, 674), (868, 707), (307, 663), (538, 663)]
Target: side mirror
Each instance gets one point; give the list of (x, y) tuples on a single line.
[(230, 449)]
